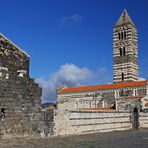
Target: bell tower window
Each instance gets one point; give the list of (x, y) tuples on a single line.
[(124, 52), (120, 50), (122, 75), (124, 35), (119, 36)]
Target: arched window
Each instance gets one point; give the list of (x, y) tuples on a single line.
[(76, 105), (124, 34), (122, 75), (98, 105), (119, 36), (120, 50), (89, 104), (104, 103), (122, 93), (124, 52)]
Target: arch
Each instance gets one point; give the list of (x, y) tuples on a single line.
[(120, 50), (77, 105), (135, 121), (104, 103), (122, 93), (122, 76), (119, 37), (124, 51), (124, 34), (98, 105), (89, 104)]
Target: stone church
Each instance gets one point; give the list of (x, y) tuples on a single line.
[(20, 96), (118, 106)]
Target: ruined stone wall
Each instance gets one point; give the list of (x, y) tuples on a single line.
[(20, 112), (129, 104), (13, 58), (143, 119)]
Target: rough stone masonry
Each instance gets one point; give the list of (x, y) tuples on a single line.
[(19, 95)]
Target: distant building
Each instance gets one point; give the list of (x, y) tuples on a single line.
[(108, 107)]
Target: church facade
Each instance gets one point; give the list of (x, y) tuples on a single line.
[(118, 106)]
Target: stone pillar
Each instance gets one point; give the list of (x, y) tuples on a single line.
[(116, 92), (134, 92)]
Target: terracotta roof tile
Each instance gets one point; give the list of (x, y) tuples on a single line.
[(132, 97), (103, 108), (105, 86), (146, 104)]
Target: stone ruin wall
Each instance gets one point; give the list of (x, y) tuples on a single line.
[(19, 94)]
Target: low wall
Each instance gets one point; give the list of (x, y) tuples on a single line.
[(81, 122), (143, 119)]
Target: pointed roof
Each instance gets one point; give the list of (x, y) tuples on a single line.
[(124, 19)]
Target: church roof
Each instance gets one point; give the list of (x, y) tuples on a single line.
[(105, 86), (101, 108), (124, 19)]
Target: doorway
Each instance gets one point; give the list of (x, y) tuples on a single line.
[(135, 123)]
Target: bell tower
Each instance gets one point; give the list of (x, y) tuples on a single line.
[(125, 50)]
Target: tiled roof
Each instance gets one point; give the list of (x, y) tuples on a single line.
[(146, 104), (102, 108), (132, 97), (105, 86)]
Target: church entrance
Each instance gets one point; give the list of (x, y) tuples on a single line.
[(135, 123)]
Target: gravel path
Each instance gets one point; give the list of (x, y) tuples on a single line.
[(124, 139)]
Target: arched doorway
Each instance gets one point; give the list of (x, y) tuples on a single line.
[(135, 118)]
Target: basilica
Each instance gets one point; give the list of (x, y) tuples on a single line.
[(118, 106)]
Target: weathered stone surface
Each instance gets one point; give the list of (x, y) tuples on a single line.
[(20, 96)]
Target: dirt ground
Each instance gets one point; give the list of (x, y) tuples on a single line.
[(124, 139)]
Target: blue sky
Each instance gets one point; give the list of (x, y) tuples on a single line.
[(70, 41)]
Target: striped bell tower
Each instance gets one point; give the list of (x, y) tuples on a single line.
[(125, 50)]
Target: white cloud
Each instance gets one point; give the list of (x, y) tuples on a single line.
[(102, 76), (69, 75), (141, 79), (70, 19)]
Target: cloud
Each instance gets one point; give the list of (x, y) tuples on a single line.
[(69, 75), (74, 19), (103, 76), (141, 79)]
